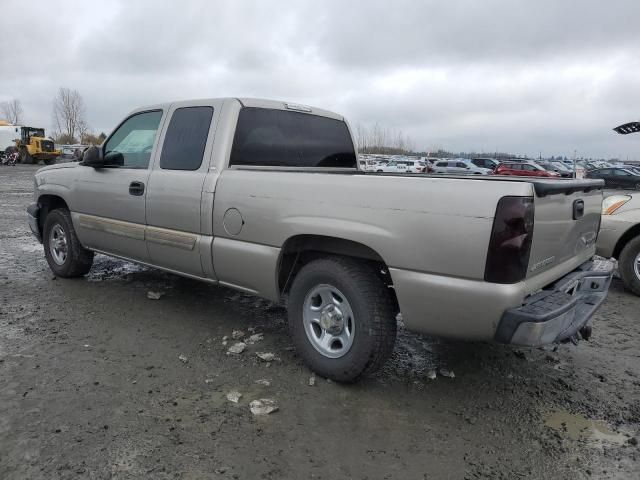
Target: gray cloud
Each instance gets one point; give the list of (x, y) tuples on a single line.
[(528, 77)]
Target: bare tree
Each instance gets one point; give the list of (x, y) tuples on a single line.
[(68, 114), (12, 111), (83, 130), (378, 139)]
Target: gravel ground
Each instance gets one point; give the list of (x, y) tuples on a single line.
[(99, 381)]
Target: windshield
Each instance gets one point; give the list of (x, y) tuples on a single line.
[(36, 132)]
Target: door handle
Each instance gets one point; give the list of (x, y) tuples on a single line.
[(136, 188), (578, 209)]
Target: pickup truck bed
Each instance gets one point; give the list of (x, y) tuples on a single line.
[(266, 197)]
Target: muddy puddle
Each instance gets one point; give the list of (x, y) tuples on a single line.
[(596, 433)]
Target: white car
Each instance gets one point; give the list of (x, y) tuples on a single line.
[(391, 167), (459, 166), (416, 166)]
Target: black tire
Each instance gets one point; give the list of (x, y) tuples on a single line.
[(50, 161), (25, 158), (637, 186), (626, 265), (373, 315), (78, 259)]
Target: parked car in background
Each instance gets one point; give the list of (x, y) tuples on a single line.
[(619, 236), (616, 177), (391, 167), (488, 163), (558, 167), (524, 169), (415, 166), (459, 166)]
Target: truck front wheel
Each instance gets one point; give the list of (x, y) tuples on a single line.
[(65, 255), (49, 161), (629, 265), (341, 318), (25, 157)]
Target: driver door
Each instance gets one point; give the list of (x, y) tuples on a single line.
[(110, 202)]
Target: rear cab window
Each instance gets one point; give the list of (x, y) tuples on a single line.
[(281, 138)]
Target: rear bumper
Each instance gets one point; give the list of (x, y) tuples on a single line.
[(558, 312), (33, 216)]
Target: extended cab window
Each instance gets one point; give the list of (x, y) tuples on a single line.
[(186, 138), (280, 138), (134, 139)]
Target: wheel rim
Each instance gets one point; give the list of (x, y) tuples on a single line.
[(58, 244), (328, 321), (636, 266)]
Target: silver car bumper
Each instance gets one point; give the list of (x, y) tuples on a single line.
[(558, 312)]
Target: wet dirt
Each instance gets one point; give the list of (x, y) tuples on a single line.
[(91, 386)]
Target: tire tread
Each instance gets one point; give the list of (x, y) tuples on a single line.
[(625, 265), (81, 258), (382, 323)]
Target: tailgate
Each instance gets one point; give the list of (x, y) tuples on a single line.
[(566, 224)]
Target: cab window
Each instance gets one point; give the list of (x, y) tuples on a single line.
[(279, 138), (134, 139), (186, 138)]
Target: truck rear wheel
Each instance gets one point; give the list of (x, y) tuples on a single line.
[(65, 255), (50, 161), (341, 318), (629, 265)]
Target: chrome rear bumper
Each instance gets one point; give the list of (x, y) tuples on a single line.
[(559, 311)]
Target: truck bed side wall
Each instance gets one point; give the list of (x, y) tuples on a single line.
[(414, 224)]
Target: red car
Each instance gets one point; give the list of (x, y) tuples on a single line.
[(524, 169)]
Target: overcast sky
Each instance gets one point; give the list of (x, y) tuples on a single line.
[(520, 76)]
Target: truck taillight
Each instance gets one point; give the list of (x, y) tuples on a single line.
[(510, 243)]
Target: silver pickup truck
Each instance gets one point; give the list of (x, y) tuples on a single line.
[(266, 197)]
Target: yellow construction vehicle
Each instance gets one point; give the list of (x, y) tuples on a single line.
[(33, 146)]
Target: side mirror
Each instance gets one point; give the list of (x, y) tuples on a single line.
[(92, 157), (114, 159)]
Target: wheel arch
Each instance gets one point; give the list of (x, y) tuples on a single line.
[(48, 202), (299, 250), (626, 237)]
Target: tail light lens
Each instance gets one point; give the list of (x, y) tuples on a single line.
[(510, 243)]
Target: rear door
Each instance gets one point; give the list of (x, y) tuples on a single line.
[(174, 234)]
